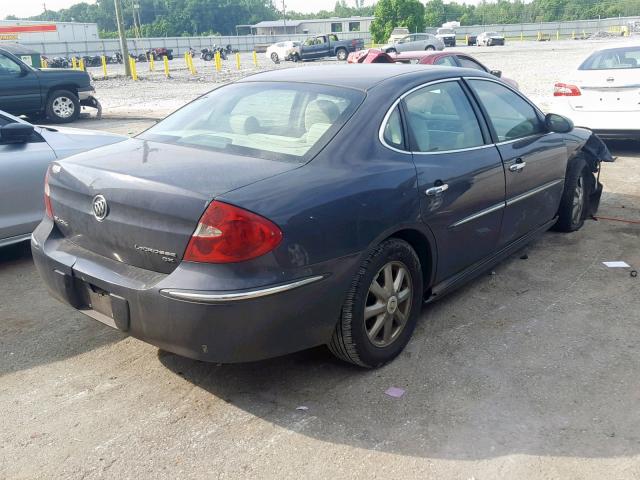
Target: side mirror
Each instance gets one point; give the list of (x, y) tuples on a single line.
[(557, 123), (16, 133), (496, 73)]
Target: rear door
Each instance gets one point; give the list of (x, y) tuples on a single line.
[(19, 88), (22, 170), (460, 174), (535, 160)]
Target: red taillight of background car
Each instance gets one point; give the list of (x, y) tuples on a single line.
[(47, 197), (227, 234), (566, 90)]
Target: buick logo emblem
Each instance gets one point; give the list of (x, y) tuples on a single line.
[(100, 207)]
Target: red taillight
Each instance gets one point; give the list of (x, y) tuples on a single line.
[(566, 90), (47, 197), (227, 234)]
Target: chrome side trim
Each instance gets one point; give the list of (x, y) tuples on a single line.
[(481, 213), (210, 297), (535, 191)]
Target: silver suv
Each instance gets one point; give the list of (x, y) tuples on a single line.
[(415, 41)]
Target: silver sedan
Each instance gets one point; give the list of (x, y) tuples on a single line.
[(25, 153), (414, 42)]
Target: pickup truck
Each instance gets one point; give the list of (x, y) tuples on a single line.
[(56, 93), (327, 46)]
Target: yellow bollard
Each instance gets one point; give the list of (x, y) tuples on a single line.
[(466, 39), (152, 64), (74, 63), (81, 65), (521, 36), (134, 73), (557, 34), (255, 58), (218, 62), (238, 61), (573, 35), (166, 66), (103, 59)]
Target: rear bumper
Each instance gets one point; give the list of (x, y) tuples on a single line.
[(604, 124), (217, 326)]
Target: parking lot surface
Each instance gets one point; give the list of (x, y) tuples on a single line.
[(527, 372)]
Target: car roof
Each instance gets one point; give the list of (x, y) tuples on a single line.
[(359, 76)]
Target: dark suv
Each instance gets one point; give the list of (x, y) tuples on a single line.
[(56, 93)]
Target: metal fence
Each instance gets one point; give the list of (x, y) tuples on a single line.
[(552, 30), (247, 43), (244, 43)]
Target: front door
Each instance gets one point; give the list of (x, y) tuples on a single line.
[(460, 174), (534, 159), (19, 89), (22, 170)]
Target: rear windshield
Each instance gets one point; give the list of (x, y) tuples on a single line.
[(614, 59), (279, 121)]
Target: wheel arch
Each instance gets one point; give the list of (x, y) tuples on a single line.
[(425, 248), (63, 86)]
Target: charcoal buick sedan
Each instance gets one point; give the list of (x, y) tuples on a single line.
[(311, 206)]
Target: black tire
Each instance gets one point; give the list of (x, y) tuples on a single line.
[(208, 57), (350, 341), (573, 211), (62, 106), (274, 57), (341, 54), (430, 48), (391, 50)]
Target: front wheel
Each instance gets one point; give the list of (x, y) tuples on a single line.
[(341, 54), (430, 48), (274, 58), (391, 50), (579, 183), (382, 306), (62, 106)]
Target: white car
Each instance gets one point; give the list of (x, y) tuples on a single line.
[(280, 51), (489, 39), (603, 94)]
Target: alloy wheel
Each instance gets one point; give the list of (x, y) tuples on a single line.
[(63, 107), (388, 304), (578, 201)]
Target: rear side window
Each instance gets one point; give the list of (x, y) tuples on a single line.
[(393, 134), (448, 61), (619, 58), (440, 118), (511, 116)]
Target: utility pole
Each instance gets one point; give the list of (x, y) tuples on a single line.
[(284, 16), (123, 39)]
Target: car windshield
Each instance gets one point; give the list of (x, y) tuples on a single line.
[(619, 58), (278, 121)]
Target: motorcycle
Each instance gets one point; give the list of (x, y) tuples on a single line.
[(160, 52), (208, 54)]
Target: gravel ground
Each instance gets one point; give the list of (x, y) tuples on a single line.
[(536, 66)]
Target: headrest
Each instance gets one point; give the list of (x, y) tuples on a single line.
[(320, 111), (244, 124)]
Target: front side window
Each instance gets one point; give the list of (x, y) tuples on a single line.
[(511, 116), (8, 67), (440, 118), (466, 62), (280, 121)]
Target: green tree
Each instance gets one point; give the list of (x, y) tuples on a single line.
[(396, 13)]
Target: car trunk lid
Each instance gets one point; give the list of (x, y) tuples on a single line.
[(616, 90), (155, 193)]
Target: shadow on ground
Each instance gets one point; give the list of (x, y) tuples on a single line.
[(35, 329), (530, 360)]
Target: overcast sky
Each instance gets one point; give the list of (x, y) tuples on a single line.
[(27, 8)]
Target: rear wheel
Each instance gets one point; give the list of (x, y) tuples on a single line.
[(208, 57), (342, 54), (382, 306), (391, 50), (578, 186), (274, 57), (430, 48), (62, 106)]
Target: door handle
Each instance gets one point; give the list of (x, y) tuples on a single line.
[(437, 189), (518, 166)]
